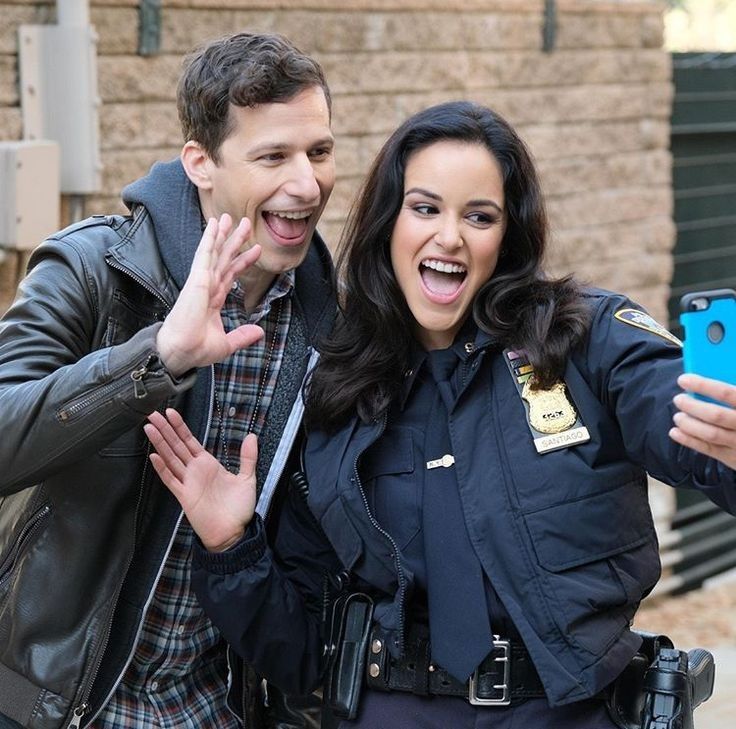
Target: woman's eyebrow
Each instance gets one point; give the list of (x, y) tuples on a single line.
[(483, 202), (422, 191), (480, 202)]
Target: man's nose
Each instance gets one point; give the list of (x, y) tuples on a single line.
[(302, 182)]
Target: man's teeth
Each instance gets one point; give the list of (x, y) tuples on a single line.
[(291, 214), (444, 267)]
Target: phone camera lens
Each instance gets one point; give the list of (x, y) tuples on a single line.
[(715, 332), (699, 304)]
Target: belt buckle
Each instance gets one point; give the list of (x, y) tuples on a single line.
[(505, 698)]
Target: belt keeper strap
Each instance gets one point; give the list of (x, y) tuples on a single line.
[(378, 668), (421, 672)]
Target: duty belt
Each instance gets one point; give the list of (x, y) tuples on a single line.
[(505, 676)]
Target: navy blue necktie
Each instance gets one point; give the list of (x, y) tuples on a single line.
[(459, 623)]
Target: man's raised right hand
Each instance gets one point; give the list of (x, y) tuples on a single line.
[(192, 334)]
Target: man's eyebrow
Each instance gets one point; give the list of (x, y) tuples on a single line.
[(284, 147), (480, 202)]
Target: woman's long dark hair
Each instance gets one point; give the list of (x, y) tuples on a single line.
[(364, 360)]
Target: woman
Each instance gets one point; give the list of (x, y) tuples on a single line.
[(478, 443)]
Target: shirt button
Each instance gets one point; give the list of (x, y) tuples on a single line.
[(180, 630), (231, 411), (154, 686), (469, 347), (234, 286)]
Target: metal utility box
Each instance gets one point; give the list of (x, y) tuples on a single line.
[(29, 193), (58, 74)]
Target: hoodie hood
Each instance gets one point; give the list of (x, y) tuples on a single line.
[(172, 202)]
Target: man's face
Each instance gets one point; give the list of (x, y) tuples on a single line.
[(276, 168)]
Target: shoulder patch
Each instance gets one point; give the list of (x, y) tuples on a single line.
[(636, 318)]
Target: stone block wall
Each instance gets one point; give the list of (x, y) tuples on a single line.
[(594, 110)]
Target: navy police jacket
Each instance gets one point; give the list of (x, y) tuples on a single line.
[(566, 535)]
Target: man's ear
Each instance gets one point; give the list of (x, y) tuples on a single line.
[(197, 164)]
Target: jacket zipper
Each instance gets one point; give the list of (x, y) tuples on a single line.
[(102, 393), (82, 708), (30, 527), (394, 548), (79, 713)]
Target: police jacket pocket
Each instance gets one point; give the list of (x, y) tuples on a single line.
[(391, 486), (599, 557)]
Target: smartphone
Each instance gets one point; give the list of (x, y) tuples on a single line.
[(708, 319)]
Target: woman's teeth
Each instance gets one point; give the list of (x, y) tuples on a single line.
[(444, 266)]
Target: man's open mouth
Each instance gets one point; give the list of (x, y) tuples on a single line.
[(289, 225)]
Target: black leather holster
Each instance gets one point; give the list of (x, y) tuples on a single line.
[(266, 707), (661, 686)]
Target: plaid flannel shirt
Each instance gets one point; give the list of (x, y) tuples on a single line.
[(178, 674)]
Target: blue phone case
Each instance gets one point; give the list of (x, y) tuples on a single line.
[(709, 322)]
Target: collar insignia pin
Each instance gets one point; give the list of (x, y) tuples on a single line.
[(445, 462)]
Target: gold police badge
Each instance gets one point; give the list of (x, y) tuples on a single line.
[(550, 413), (550, 410)]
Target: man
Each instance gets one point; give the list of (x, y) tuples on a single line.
[(120, 316)]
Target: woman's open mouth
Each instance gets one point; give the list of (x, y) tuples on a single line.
[(442, 280)]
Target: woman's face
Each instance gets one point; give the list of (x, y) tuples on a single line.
[(447, 236)]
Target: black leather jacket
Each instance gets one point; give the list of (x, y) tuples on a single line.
[(84, 523)]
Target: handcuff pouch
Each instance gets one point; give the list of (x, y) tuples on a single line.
[(347, 646)]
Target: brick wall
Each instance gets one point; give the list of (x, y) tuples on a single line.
[(595, 110)]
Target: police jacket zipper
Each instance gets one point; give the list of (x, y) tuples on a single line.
[(395, 550)]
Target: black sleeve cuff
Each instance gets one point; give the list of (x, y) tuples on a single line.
[(242, 555)]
